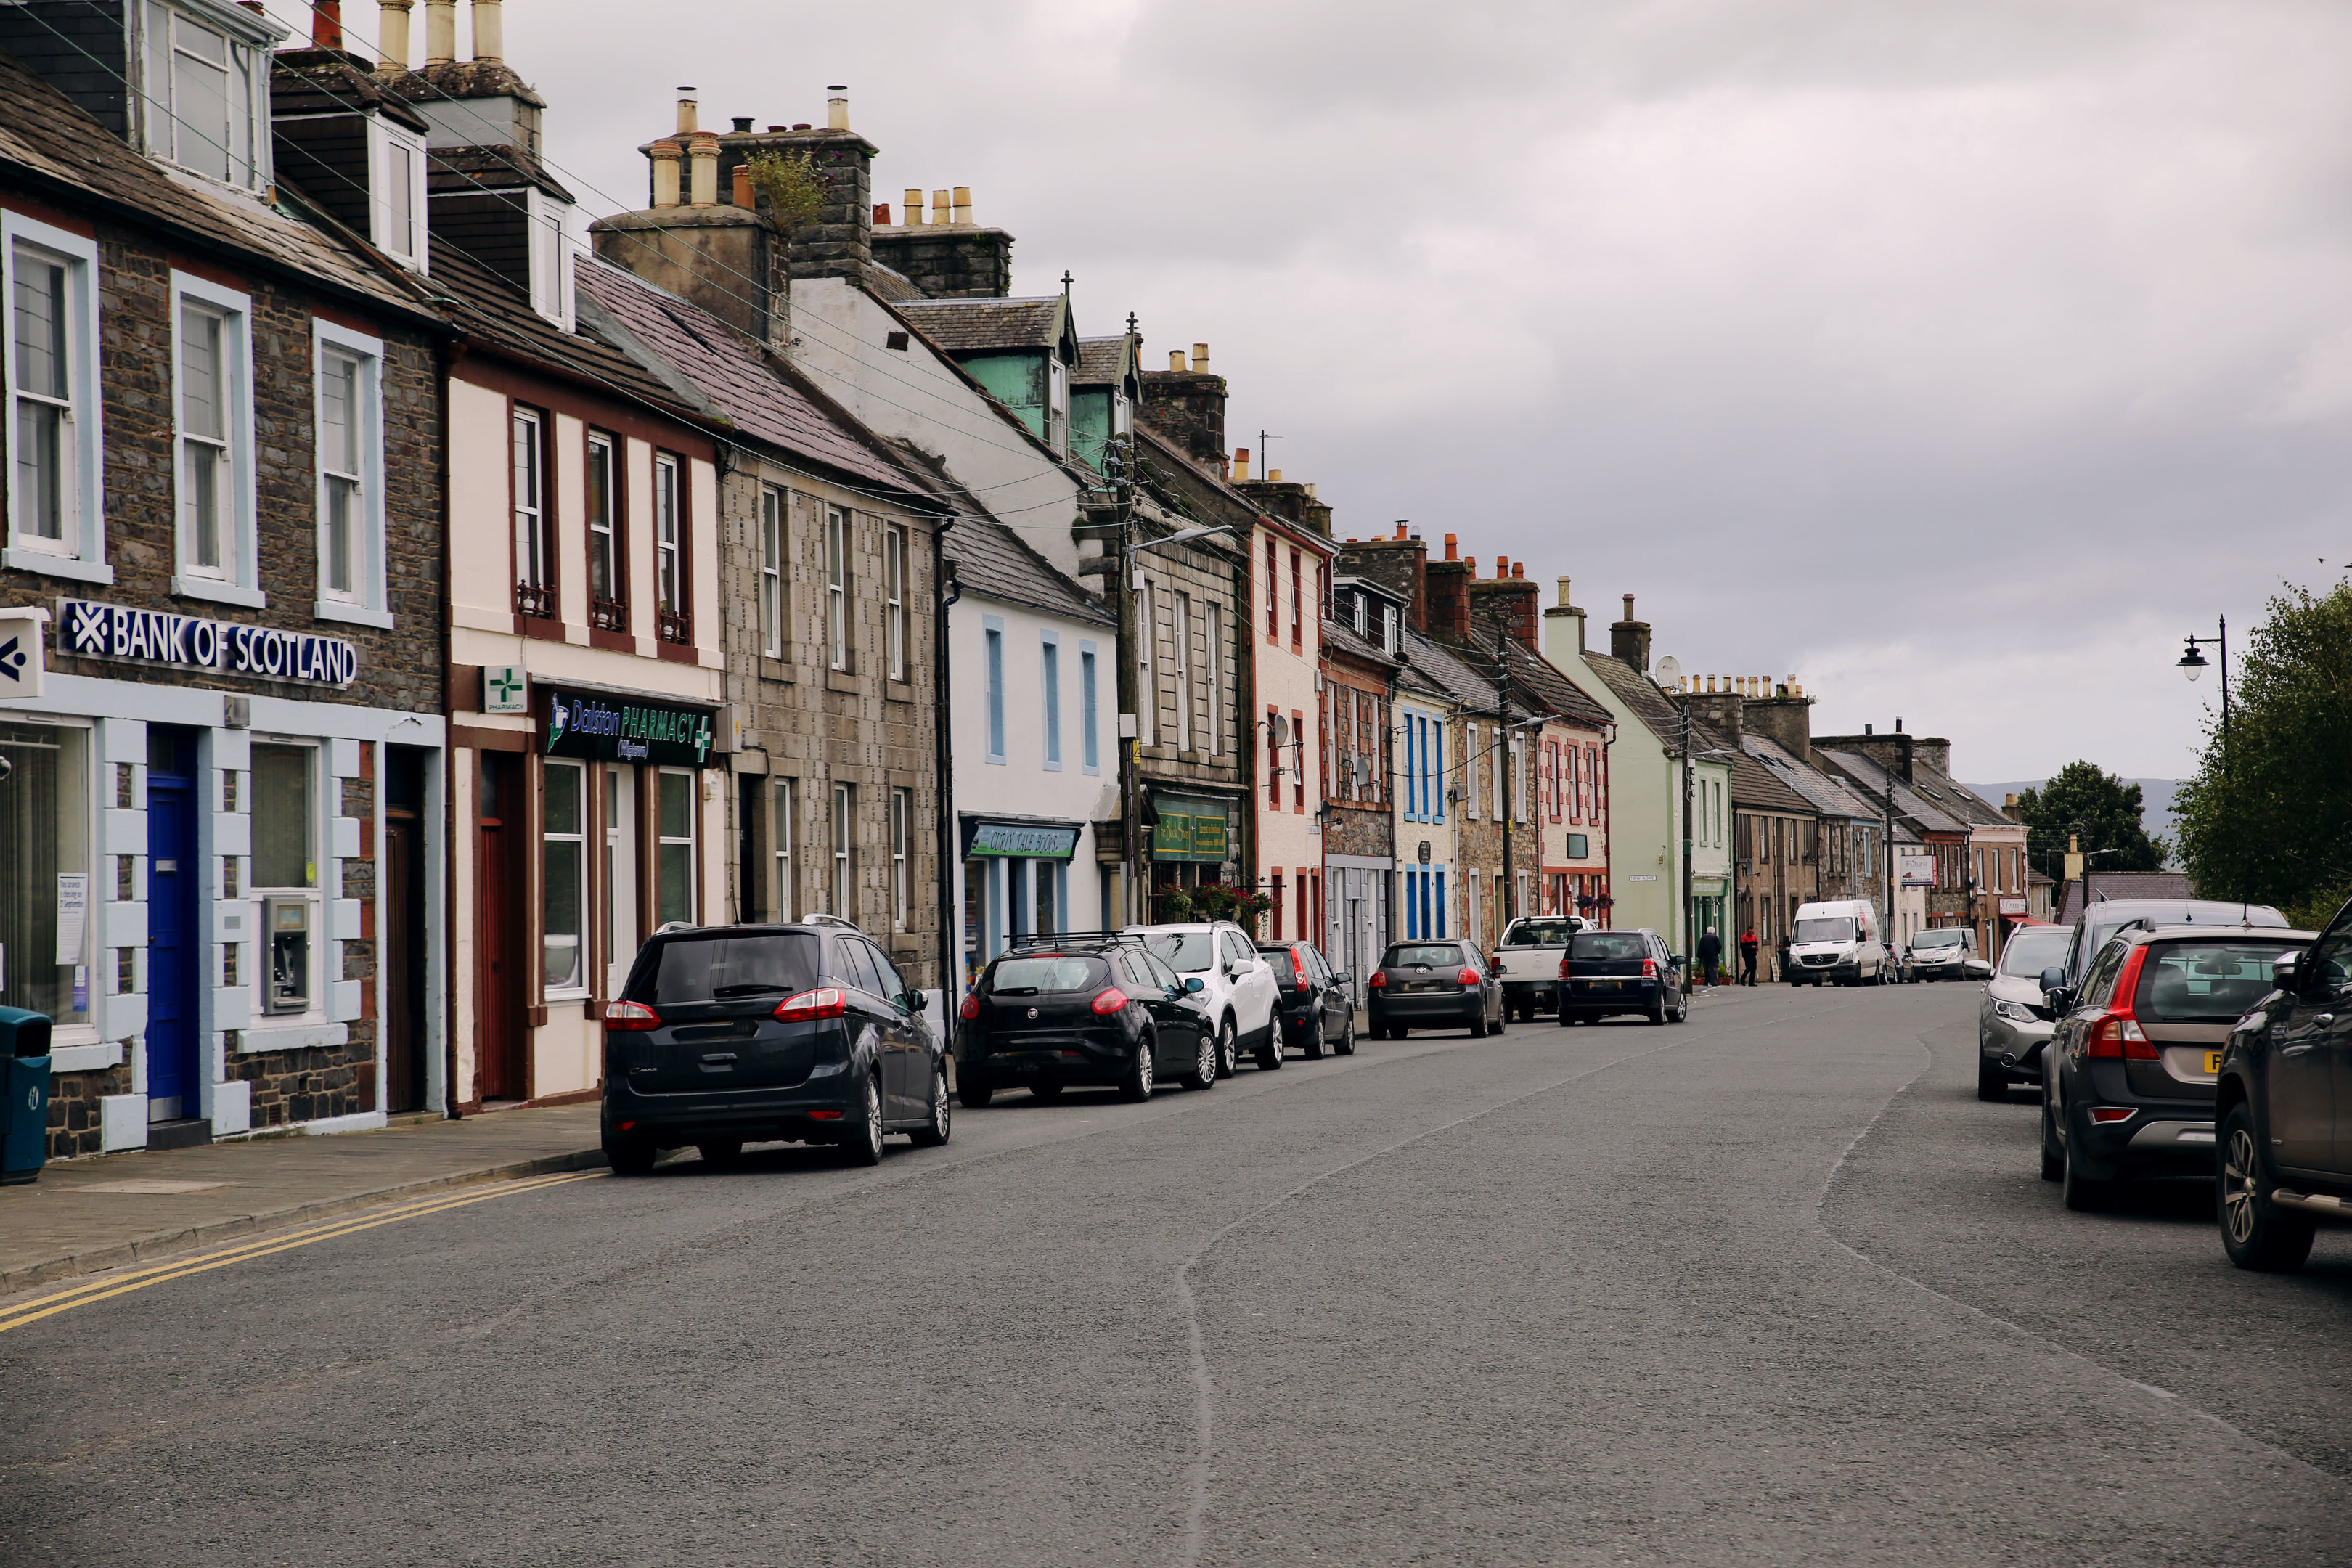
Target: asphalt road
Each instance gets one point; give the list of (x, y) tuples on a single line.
[(1770, 1286)]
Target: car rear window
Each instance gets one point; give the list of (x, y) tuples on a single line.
[(2204, 981), (1603, 944), (1185, 951), (717, 968), (1406, 954), (1538, 933), (1947, 937), (1048, 976)]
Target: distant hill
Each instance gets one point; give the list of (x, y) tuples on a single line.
[(2155, 800)]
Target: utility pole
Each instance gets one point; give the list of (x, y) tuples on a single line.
[(1509, 900), (1690, 906)]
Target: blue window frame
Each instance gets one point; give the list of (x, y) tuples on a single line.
[(1438, 783), (1050, 656), (992, 629), (1437, 904), (1089, 749)]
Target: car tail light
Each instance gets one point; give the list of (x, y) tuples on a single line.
[(824, 1116), (970, 1008), (1109, 1000), (1563, 966), (1297, 967), (2117, 1034), (630, 1015), (825, 1004), (1466, 976), (2102, 1114), (1378, 981), (1649, 969)]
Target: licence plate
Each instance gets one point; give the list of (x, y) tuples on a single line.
[(1605, 985), (1424, 985), (2213, 1061)]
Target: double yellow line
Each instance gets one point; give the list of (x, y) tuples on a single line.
[(118, 1284)]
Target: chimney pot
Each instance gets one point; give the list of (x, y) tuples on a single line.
[(1241, 464), (1629, 606), (702, 158), (836, 108), (1274, 476), (1867, 730), (327, 24), (963, 203), (1564, 601), (1472, 562), (1176, 362), (1200, 359), (914, 208), (1518, 571), (881, 215), (803, 125), (742, 125), (774, 129), (440, 32), (739, 180), (939, 207), (1399, 531), (1451, 553), (685, 108), (490, 30), (391, 40), (664, 156)]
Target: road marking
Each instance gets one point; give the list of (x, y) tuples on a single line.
[(113, 1284)]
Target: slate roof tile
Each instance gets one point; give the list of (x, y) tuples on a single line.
[(960, 326)]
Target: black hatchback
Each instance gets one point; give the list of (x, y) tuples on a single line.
[(725, 1035), (1605, 974), (1313, 1004), (1435, 984), (1081, 1008)]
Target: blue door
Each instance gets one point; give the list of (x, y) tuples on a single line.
[(175, 950)]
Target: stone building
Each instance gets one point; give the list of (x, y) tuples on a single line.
[(220, 821), (1779, 835), (1930, 845), (1360, 666)]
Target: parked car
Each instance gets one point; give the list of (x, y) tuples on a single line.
[(1082, 1008), (1609, 972), (1236, 985), (1529, 956), (1948, 953), (728, 1033), (2105, 918), (2128, 1077), (1316, 1006), (2014, 1022), (1837, 940), (2284, 1106), (1440, 983)]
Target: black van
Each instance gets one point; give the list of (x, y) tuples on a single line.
[(731, 1033)]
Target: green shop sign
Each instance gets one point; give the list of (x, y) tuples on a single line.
[(1022, 841), (1189, 829), (613, 729)]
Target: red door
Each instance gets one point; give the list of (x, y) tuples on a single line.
[(498, 936)]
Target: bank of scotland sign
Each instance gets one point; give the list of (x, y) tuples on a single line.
[(159, 637)]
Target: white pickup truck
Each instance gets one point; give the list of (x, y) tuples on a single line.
[(1531, 955)]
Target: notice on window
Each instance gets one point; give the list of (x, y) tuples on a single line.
[(73, 915)]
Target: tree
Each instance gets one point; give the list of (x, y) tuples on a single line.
[(2096, 808), (2269, 817)]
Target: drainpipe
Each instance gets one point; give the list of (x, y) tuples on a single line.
[(950, 973)]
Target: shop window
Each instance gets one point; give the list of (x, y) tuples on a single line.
[(608, 590), (1089, 746), (45, 871), (1049, 672), (674, 866), (564, 850), (894, 578), (534, 543), (214, 432), (902, 814), (772, 571), (619, 882), (781, 887), (838, 575), (58, 520), (845, 870), (676, 620), (347, 370)]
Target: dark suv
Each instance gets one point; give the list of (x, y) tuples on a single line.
[(1608, 972), (1082, 1008), (2128, 1076), (2285, 1101), (1313, 1006), (730, 1034)]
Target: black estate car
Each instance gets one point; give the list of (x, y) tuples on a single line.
[(725, 1035), (1082, 1008), (1314, 1007), (2284, 1104), (2128, 1076), (1609, 972), (1438, 984)]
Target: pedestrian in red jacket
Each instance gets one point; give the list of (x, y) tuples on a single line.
[(1750, 945)]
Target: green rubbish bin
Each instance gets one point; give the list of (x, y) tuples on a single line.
[(24, 1094)]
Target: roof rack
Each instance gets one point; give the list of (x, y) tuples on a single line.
[(1061, 938), (821, 918)]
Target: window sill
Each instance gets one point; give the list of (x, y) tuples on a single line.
[(567, 996), (994, 762), (85, 1058), (189, 587), (290, 1036), (777, 669), (841, 681), (48, 565), (352, 615)]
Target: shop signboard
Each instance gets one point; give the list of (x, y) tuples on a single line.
[(20, 652), (1918, 871), (159, 637), (622, 729), (1189, 829), (1022, 840)]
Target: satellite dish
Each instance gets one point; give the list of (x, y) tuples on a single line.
[(1281, 727), (1363, 770), (1670, 671)]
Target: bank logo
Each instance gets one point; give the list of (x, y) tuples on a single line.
[(13, 660)]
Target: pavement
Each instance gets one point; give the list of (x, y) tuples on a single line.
[(135, 1206), (1769, 1287)]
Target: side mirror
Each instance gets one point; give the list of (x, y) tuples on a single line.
[(1343, 978), (1193, 987), (2052, 980), (2287, 972), (1674, 961)]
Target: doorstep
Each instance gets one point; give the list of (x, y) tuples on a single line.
[(83, 1216)]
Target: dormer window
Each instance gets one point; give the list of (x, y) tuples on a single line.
[(550, 259), (1057, 404), (202, 92), (396, 193)]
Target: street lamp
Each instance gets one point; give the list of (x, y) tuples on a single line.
[(2192, 665)]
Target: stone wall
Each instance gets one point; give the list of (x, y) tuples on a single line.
[(948, 261)]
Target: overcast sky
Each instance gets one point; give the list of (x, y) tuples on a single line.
[(1958, 358)]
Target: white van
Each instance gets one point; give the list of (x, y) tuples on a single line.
[(1838, 941)]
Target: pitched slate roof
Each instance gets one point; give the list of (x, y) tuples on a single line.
[(1752, 784), (962, 326), (335, 81), (46, 135), (2117, 886), (1443, 668), (1826, 793), (759, 395), (1342, 638), (995, 563), (497, 315), (1957, 799), (1545, 687), (1641, 694), (1103, 362), (1872, 780), (454, 171)]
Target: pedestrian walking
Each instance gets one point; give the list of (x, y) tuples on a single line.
[(1710, 955), (1750, 945), (1781, 954)]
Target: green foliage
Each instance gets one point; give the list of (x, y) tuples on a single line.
[(2272, 820), (2098, 809), (795, 192), (1175, 906)]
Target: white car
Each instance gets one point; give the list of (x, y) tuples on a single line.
[(1237, 986)]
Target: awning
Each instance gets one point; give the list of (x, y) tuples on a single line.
[(2027, 920)]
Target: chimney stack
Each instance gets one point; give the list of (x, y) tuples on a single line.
[(326, 24), (836, 108), (664, 156), (490, 31), (963, 203), (1629, 639), (440, 32), (392, 36)]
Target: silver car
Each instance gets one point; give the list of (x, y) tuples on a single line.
[(2015, 1021), (1946, 953)]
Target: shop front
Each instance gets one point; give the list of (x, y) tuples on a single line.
[(1191, 838), (1016, 882)]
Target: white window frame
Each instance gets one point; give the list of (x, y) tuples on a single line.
[(670, 537), (368, 603), (534, 534), (249, 47), (603, 529), (782, 881), (238, 583), (774, 506), (838, 577), (544, 223), (843, 884), (80, 551), (1216, 637), (692, 840), (384, 138), (902, 822), (578, 841), (1471, 757), (1089, 707), (894, 590), (1049, 681), (1057, 404), (991, 646), (1180, 619), (1147, 657)]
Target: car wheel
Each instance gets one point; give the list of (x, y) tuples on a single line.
[(1228, 1056), (974, 1089), (1046, 1091), (1566, 1018), (1502, 1018), (1136, 1084), (2053, 1155), (2083, 1195), (934, 1132), (1682, 1013), (631, 1156), (1478, 1024), (1204, 1064), (721, 1153), (1314, 1042), (1992, 1080), (1346, 1046), (2256, 1233), (862, 1145), (1657, 1013)]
